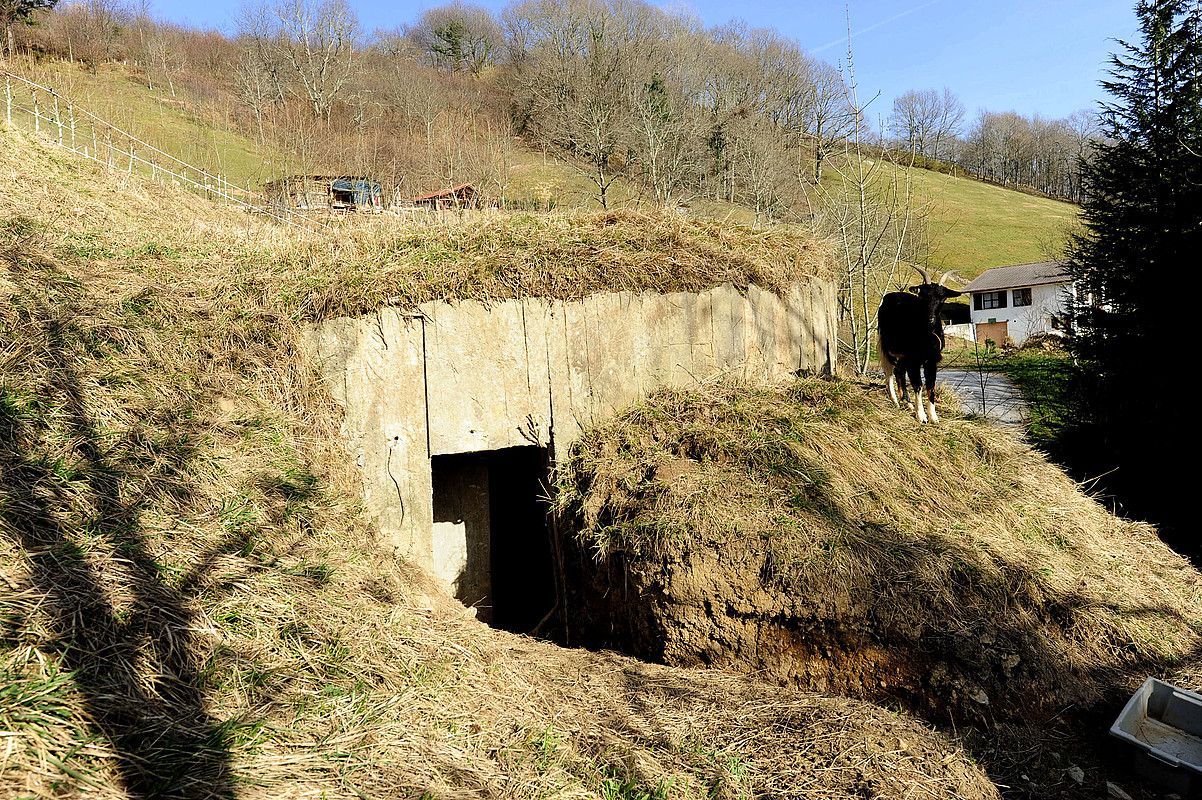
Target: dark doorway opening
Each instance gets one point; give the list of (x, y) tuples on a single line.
[(491, 527)]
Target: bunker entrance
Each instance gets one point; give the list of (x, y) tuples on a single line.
[(492, 542)]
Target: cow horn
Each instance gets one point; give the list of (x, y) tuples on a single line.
[(946, 275), (925, 277)]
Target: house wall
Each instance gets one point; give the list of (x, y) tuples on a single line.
[(468, 377), (1024, 321)]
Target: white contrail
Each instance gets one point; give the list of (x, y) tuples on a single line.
[(876, 25)]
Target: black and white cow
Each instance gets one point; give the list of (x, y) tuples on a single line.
[(911, 340)]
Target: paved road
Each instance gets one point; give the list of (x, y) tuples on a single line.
[(987, 393)]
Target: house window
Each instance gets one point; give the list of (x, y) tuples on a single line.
[(984, 300), (1022, 297)]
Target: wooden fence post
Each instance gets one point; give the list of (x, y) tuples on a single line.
[(71, 114), (37, 117), (8, 98), (58, 119)]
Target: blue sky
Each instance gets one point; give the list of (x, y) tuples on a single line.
[(1030, 56)]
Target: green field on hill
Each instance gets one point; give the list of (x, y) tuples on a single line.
[(181, 126), (975, 225)]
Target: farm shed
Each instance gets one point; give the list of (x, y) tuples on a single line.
[(463, 195), (326, 193)]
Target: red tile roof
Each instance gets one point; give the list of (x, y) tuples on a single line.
[(454, 190)]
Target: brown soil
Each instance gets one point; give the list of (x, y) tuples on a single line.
[(712, 608)]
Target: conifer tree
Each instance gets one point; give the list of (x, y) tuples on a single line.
[(18, 11), (1137, 261)]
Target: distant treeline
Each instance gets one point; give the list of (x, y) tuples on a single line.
[(1005, 148), (628, 90)]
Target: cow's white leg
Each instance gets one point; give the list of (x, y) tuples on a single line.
[(920, 405), (891, 381)]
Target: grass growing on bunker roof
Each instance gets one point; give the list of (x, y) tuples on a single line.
[(182, 243), (191, 604), (956, 542)]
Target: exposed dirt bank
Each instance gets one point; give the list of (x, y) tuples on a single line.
[(821, 539)]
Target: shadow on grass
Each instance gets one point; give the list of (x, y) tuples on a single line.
[(72, 498), (1101, 443)]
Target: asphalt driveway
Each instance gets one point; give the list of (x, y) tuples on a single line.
[(990, 394)]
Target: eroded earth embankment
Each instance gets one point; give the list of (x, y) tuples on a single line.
[(817, 537)]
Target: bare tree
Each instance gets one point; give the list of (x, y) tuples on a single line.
[(577, 70), (665, 132), (93, 29), (761, 161), (257, 88), (869, 211), (830, 116), (948, 122), (311, 41), (154, 45), (14, 12), (457, 37), (915, 119)]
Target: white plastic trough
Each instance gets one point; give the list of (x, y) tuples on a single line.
[(1164, 725)]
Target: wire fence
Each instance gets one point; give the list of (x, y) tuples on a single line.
[(50, 115)]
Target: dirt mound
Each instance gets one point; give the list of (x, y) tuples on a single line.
[(817, 536)]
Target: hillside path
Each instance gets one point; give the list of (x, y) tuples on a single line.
[(990, 394)]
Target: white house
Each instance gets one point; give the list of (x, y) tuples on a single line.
[(1018, 301)]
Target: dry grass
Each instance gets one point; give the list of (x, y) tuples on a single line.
[(190, 603), (364, 261), (828, 539)]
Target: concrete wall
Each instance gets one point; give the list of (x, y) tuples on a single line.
[(461, 528), (962, 331), (466, 377)]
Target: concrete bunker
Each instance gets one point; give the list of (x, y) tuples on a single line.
[(491, 533), (455, 411)]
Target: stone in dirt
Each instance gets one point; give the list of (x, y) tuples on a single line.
[(1115, 792)]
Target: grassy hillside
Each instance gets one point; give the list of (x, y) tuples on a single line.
[(190, 602), (975, 225), (183, 126), (972, 225), (548, 181)]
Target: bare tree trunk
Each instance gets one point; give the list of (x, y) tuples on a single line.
[(868, 210)]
